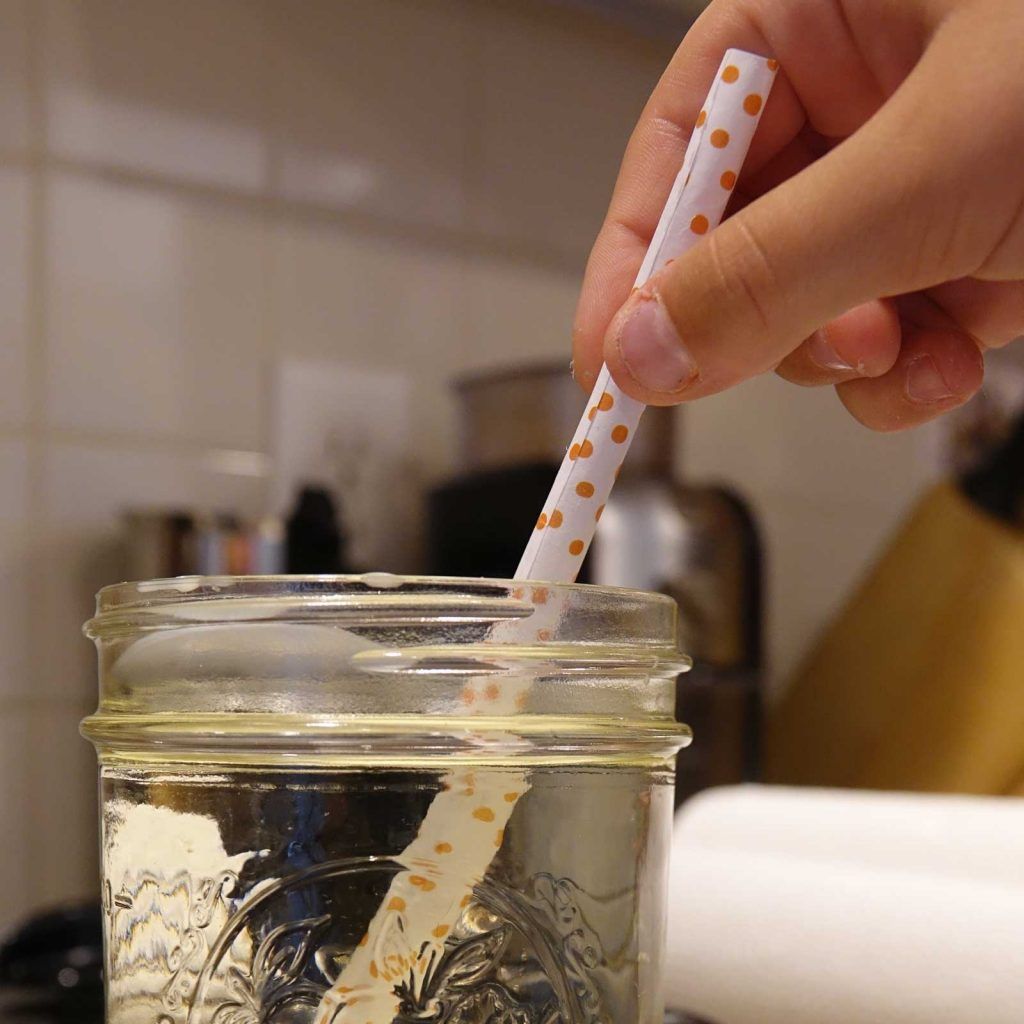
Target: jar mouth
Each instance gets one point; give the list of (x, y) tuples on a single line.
[(572, 612), (345, 662)]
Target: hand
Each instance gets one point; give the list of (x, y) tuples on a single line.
[(876, 240)]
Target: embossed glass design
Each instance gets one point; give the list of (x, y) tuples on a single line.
[(269, 748)]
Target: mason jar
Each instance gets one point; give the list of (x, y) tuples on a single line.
[(375, 798)]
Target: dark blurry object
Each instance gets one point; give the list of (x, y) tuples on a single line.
[(974, 430), (513, 426), (919, 682), (996, 484), (698, 544), (679, 1017), (167, 542), (51, 967), (315, 542)]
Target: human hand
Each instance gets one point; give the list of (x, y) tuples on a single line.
[(877, 235)]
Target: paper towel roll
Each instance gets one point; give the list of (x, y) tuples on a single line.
[(774, 937), (960, 836)]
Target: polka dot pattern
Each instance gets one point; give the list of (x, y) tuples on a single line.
[(425, 900), (465, 823), (721, 137)]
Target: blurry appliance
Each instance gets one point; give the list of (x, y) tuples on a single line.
[(918, 684), (698, 544), (51, 967), (174, 542), (315, 542)]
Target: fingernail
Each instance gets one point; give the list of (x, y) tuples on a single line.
[(572, 368), (650, 347), (822, 353), (924, 382)]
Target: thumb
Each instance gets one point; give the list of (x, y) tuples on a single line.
[(873, 217)]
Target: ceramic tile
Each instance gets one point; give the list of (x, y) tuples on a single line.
[(370, 101), (826, 493), (816, 553), (14, 295), (85, 489), (157, 317), (171, 89), (16, 896), (514, 313), (358, 305), (373, 303), (62, 820), (14, 56), (325, 303), (16, 571), (770, 436), (555, 102)]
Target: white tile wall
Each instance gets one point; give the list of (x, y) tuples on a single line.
[(370, 107), (514, 309), (63, 807), (172, 89), (17, 851), (15, 186), (374, 302), (157, 317), (15, 571), (828, 494), (556, 103), (213, 188), (14, 72)]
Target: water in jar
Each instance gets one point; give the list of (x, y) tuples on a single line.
[(236, 896)]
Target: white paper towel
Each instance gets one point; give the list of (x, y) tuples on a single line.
[(963, 836), (845, 908)]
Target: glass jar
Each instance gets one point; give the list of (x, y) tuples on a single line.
[(365, 799)]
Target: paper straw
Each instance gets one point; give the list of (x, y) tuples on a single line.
[(717, 148), (463, 827)]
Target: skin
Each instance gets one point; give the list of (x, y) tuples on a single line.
[(878, 222)]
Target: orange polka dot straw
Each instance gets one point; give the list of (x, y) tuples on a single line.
[(463, 829), (462, 832), (721, 136)]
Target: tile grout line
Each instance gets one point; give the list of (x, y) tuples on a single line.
[(435, 237)]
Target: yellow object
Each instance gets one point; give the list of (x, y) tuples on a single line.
[(919, 684)]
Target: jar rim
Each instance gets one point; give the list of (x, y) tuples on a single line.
[(323, 647), (236, 599)]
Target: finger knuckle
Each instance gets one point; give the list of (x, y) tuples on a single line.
[(743, 270)]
